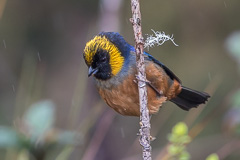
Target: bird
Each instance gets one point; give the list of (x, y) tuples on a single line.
[(112, 62)]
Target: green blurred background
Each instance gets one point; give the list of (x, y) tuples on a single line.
[(49, 108)]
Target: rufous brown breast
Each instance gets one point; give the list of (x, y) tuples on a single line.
[(124, 99)]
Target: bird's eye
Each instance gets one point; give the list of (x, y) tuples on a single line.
[(103, 59)]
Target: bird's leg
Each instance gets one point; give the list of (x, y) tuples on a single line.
[(159, 93)]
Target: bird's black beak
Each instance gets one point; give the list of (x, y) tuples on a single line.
[(92, 71)]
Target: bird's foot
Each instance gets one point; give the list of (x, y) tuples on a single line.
[(159, 93)]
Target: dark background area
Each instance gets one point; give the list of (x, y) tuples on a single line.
[(41, 46)]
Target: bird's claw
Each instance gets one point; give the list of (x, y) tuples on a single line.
[(152, 138), (160, 93)]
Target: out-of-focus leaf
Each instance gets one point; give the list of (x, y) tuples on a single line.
[(40, 118), (65, 154), (180, 129), (174, 150), (8, 137), (68, 137), (232, 45), (179, 138), (184, 156), (238, 129), (236, 97), (23, 155), (179, 134), (213, 156)]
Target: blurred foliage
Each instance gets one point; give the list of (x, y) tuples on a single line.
[(231, 121), (236, 99), (178, 139), (8, 137), (212, 157), (232, 45), (39, 119), (35, 132)]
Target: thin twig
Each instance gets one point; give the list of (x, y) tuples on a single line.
[(144, 112), (228, 149), (99, 136)]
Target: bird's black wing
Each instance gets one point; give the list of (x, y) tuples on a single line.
[(167, 70)]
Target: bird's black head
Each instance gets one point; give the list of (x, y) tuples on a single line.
[(105, 55), (100, 66)]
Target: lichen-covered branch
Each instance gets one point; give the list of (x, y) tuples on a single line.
[(141, 76)]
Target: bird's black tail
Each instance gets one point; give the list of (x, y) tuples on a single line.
[(189, 98)]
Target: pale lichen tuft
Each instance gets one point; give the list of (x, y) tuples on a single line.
[(158, 39)]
